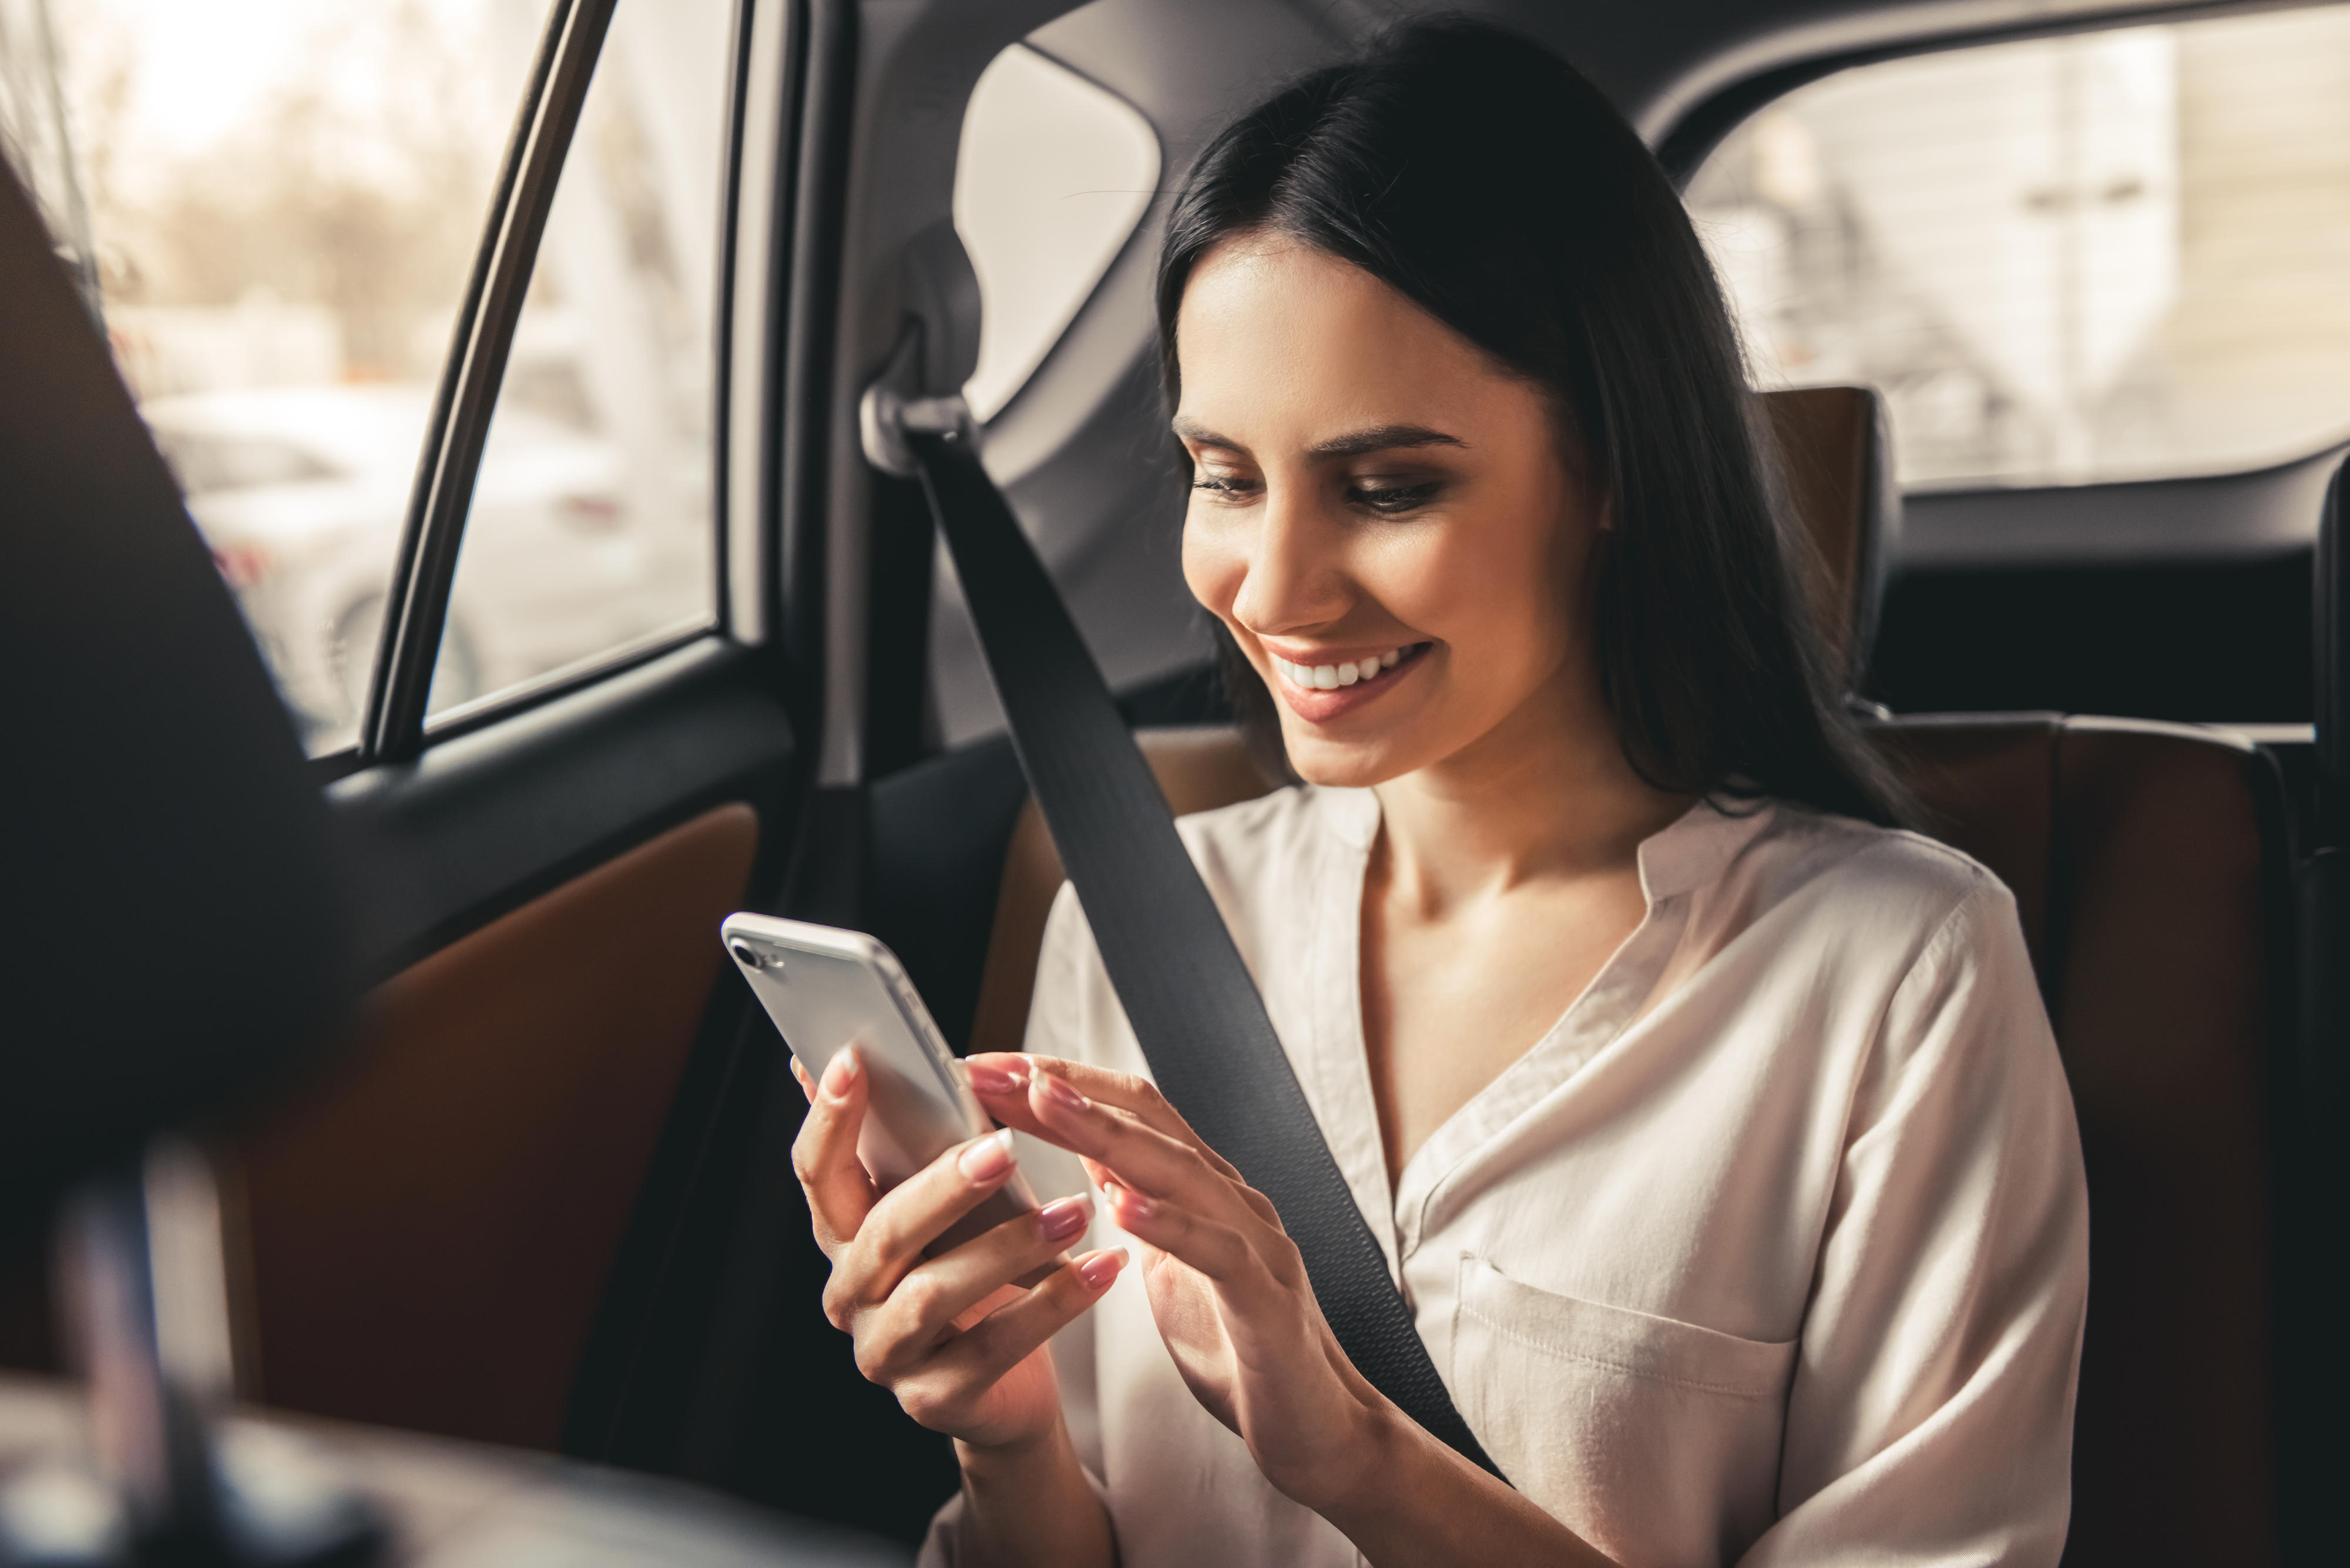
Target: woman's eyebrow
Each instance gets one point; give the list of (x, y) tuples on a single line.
[(1354, 443), (1382, 437), (1200, 435)]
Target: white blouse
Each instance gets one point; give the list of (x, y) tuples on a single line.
[(1773, 1249)]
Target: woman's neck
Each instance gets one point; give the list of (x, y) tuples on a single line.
[(1547, 795)]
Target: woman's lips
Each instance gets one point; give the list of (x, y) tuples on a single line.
[(1321, 691)]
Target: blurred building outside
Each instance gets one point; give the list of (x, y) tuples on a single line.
[(2120, 255), (279, 206)]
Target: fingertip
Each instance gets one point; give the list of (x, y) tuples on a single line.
[(1050, 1093), (996, 1073), (1126, 1204), (842, 1073), (1097, 1270), (799, 1076), (988, 1160)]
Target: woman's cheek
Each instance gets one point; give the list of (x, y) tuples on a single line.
[(1426, 581), (1213, 568), (1496, 599)]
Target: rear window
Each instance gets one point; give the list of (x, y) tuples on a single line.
[(2122, 255), (1052, 173)]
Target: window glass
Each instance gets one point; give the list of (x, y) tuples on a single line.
[(590, 533), (278, 204), (2120, 255), (1051, 178)]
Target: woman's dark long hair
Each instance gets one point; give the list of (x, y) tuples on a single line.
[(1482, 177)]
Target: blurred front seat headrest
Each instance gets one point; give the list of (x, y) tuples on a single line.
[(174, 928)]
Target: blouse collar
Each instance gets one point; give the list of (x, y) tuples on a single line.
[(1687, 854)]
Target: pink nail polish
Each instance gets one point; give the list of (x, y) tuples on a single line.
[(990, 1080), (1099, 1270), (1061, 1094), (988, 1158), (1061, 1220), (1133, 1204)]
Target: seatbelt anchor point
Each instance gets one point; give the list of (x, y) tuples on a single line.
[(893, 407)]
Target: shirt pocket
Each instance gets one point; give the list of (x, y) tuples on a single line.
[(1655, 1440)]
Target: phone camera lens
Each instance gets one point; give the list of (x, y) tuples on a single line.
[(744, 954)]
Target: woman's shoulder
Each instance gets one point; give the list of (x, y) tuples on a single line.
[(1864, 877), (1816, 868), (1852, 848)]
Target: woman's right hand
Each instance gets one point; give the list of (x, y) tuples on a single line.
[(954, 1338)]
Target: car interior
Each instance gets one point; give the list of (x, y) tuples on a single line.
[(533, 1197)]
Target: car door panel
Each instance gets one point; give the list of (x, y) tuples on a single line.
[(431, 1227)]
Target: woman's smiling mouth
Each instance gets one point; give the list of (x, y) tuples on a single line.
[(1320, 692)]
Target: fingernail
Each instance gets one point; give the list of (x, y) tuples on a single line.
[(1061, 1219), (988, 1158), (1100, 1268), (840, 1072), (1133, 1204), (1061, 1094), (991, 1080)]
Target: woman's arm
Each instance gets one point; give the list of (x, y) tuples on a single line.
[(1931, 1415), (959, 1344), (1234, 1304), (1414, 1501), (1029, 1502)]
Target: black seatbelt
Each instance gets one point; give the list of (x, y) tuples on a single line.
[(1194, 1009)]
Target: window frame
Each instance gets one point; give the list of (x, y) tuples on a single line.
[(396, 723)]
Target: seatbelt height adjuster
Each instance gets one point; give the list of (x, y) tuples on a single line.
[(895, 404)]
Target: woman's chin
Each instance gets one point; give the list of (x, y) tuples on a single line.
[(1345, 763)]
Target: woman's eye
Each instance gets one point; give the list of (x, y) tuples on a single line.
[(1224, 486), (1389, 499)]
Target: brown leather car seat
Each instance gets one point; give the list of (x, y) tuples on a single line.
[(2145, 863), (1836, 470)]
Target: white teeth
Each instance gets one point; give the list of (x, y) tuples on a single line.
[(1329, 677)]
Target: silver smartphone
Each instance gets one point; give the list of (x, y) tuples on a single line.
[(828, 989)]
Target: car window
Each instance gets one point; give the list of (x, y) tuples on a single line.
[(590, 533), (1053, 175), (2119, 254), (277, 205), (205, 461)]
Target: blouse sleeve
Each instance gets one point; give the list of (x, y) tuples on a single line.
[(1931, 1416)]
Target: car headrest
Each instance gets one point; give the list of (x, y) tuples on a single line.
[(1835, 466), (175, 927)]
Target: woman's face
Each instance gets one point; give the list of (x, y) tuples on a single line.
[(1383, 518)]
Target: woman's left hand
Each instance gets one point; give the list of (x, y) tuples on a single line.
[(1225, 1281)]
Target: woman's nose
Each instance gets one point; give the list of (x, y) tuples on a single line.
[(1294, 578)]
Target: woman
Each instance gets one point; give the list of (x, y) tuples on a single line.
[(1713, 1125)]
